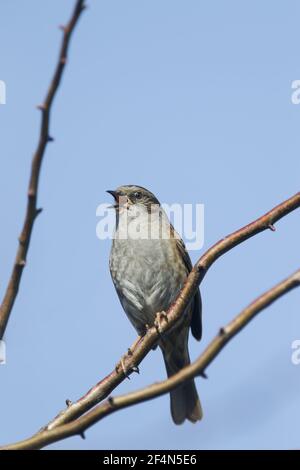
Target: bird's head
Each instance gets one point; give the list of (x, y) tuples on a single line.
[(130, 196)]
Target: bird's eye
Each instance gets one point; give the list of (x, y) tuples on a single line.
[(137, 195)]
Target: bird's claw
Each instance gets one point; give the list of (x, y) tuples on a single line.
[(122, 365), (160, 319), (135, 369), (125, 368)]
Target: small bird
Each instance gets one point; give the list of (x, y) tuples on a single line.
[(149, 265)]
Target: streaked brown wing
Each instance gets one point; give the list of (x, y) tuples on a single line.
[(196, 321)]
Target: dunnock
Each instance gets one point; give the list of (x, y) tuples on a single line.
[(149, 265)]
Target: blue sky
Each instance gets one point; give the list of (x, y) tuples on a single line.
[(192, 100)]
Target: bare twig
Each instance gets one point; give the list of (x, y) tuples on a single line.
[(32, 211), (111, 405), (142, 346)]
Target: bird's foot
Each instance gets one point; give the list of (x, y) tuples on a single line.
[(161, 318), (123, 363), (123, 366)]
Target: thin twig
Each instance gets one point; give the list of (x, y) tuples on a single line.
[(141, 347), (32, 211), (111, 405)]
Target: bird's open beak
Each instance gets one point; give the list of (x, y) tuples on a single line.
[(113, 193), (116, 198)]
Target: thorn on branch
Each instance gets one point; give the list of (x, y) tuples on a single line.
[(203, 374), (200, 269), (222, 331), (110, 401), (41, 107), (50, 139), (38, 211), (83, 7), (68, 402), (82, 435), (272, 227)]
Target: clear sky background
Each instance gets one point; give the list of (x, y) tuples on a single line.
[(192, 100)]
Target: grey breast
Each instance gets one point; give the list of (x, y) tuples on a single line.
[(145, 276)]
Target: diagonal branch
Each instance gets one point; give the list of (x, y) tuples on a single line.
[(145, 344), (32, 211), (111, 405)]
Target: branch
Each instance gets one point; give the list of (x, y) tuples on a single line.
[(143, 345), (111, 405), (32, 211)]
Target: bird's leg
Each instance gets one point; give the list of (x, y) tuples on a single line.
[(124, 368), (160, 319), (124, 359)]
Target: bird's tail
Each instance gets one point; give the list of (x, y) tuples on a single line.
[(185, 402)]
